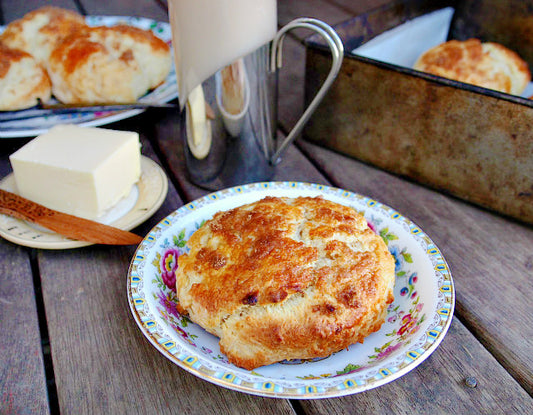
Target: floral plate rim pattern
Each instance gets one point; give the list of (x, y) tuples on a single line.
[(416, 323), (163, 93)]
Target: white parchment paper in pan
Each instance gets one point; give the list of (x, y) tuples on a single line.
[(405, 43)]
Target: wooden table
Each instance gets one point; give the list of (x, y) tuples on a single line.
[(68, 343)]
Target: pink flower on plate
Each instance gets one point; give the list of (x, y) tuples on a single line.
[(388, 351), (168, 304), (407, 324), (371, 226), (169, 264)]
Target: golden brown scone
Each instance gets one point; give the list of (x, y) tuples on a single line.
[(286, 278), (108, 64), (489, 65), (39, 31), (22, 80)]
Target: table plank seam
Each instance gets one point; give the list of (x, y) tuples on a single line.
[(315, 164), (493, 349), (53, 401)]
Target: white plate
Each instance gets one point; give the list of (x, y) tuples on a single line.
[(417, 319), (163, 93), (142, 202)]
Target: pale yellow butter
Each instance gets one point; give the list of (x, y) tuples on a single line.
[(76, 170)]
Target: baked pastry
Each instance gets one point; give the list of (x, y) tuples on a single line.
[(489, 65), (22, 80), (90, 65), (108, 64), (286, 278), (39, 31)]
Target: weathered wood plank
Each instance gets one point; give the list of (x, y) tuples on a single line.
[(490, 256), (103, 363), (327, 11), (22, 376), (15, 9), (360, 6), (141, 8)]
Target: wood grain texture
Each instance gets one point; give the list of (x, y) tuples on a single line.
[(327, 11), (22, 377), (15, 9), (360, 6), (142, 8)]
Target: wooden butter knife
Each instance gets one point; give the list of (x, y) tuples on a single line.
[(64, 224)]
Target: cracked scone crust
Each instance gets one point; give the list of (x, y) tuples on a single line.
[(489, 65), (41, 30), (108, 64), (286, 278), (22, 80)]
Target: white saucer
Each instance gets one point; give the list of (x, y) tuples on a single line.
[(144, 199)]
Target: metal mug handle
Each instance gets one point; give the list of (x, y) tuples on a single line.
[(337, 52)]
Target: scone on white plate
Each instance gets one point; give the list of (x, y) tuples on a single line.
[(286, 278)]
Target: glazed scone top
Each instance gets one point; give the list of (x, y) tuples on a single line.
[(108, 64), (22, 80), (286, 278), (489, 65), (39, 31)]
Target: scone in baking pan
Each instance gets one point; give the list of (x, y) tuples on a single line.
[(416, 322), (473, 142)]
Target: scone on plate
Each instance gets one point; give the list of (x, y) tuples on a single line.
[(39, 31), (22, 80), (286, 278), (489, 65), (108, 64)]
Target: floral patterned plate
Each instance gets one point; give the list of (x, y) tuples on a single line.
[(163, 93), (417, 319)]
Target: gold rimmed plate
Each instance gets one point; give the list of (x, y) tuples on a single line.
[(416, 323)]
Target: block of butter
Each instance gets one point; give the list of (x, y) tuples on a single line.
[(77, 170)]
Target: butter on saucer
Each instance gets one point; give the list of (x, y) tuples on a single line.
[(76, 170)]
